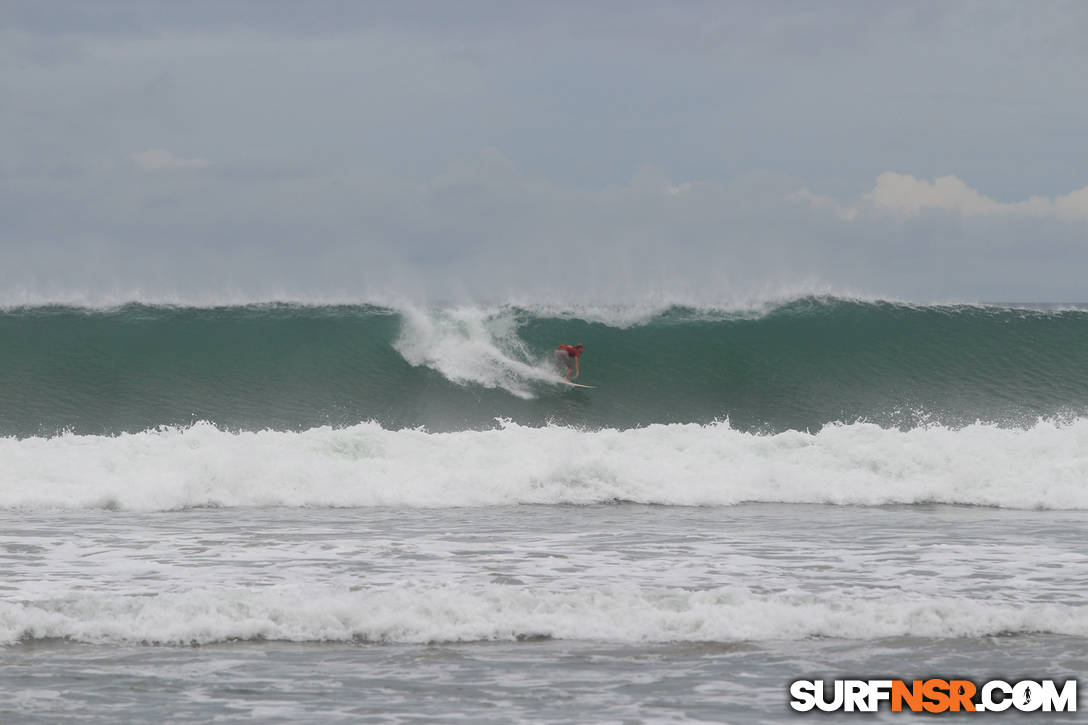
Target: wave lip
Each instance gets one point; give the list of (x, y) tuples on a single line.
[(415, 613), (1042, 467)]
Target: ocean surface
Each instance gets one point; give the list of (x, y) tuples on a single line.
[(358, 513)]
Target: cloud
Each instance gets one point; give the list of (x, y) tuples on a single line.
[(904, 196), (487, 229), (163, 160), (825, 203), (902, 193)]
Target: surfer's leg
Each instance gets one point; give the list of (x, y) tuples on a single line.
[(561, 361)]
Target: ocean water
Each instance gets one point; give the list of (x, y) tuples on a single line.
[(292, 513)]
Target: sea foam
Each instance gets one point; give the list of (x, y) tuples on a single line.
[(471, 345), (1044, 466), (418, 613)]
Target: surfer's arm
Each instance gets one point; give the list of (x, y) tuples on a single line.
[(577, 372)]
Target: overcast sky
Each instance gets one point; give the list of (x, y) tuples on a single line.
[(570, 151)]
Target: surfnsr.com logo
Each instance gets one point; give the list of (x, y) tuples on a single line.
[(933, 695)]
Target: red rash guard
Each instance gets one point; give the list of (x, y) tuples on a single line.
[(572, 351)]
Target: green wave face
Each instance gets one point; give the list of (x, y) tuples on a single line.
[(797, 366)]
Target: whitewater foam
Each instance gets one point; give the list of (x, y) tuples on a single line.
[(418, 613), (1044, 466), (471, 345)]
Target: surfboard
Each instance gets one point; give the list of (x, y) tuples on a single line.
[(575, 385)]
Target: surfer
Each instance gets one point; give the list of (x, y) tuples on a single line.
[(567, 356)]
